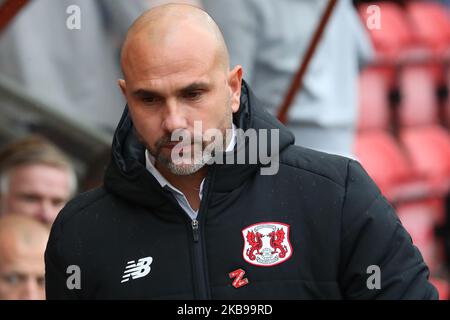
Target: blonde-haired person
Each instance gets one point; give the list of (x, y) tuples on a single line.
[(36, 179)]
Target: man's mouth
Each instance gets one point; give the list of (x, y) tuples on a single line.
[(181, 146), (169, 145)]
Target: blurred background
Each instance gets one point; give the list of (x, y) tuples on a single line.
[(375, 88), (403, 122)]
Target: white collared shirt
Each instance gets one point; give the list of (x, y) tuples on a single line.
[(179, 196)]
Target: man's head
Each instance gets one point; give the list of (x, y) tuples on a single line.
[(36, 179), (22, 269), (176, 68)]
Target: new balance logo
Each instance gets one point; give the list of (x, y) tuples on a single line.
[(137, 270)]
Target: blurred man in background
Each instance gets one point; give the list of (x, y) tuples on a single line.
[(36, 179), (22, 246)]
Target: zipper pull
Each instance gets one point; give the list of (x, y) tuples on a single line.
[(195, 230)]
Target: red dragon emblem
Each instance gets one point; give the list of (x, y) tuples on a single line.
[(255, 241), (267, 243), (276, 240)]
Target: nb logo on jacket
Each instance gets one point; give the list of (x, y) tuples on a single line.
[(137, 270)]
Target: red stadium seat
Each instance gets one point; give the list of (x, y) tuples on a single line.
[(419, 104), (376, 148), (373, 101), (395, 35), (427, 143), (385, 162), (429, 150), (381, 157), (431, 24), (420, 219)]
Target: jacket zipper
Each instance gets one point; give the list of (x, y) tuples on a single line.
[(195, 231), (201, 281)]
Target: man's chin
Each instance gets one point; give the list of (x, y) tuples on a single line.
[(184, 169)]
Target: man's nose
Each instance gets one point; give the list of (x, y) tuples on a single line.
[(47, 212), (174, 116)]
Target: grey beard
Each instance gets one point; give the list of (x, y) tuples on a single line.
[(188, 169), (183, 169)]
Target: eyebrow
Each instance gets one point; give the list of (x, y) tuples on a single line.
[(143, 93), (195, 86)]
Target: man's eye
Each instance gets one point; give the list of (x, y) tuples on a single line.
[(149, 100), (58, 202), (41, 281), (193, 95), (12, 279), (30, 198)]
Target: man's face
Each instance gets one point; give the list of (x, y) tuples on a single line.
[(22, 272), (169, 87), (36, 190)]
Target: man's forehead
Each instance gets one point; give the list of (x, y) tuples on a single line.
[(171, 73), (166, 49), (157, 66), (16, 251), (31, 263), (40, 177), (147, 60), (176, 76), (39, 170)]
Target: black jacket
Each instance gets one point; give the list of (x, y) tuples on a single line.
[(330, 227)]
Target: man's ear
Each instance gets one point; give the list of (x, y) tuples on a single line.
[(123, 87), (235, 82)]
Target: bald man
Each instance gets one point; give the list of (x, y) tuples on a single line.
[(206, 196), (22, 246)]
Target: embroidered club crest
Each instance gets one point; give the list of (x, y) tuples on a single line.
[(267, 244)]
